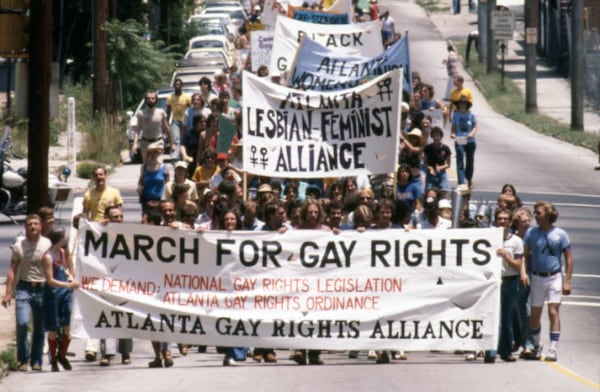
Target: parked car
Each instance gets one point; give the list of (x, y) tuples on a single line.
[(216, 62), (198, 19), (212, 53), (220, 3), (236, 14), (190, 76), (213, 27), (211, 41)]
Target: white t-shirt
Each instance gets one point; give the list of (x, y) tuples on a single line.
[(513, 245)]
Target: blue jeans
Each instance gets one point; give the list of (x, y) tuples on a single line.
[(523, 311), (30, 302), (456, 6), (439, 180), (235, 353), (465, 170), (508, 301)]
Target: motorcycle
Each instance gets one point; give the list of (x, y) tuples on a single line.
[(13, 184)]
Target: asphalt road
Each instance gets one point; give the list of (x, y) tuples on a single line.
[(539, 167)]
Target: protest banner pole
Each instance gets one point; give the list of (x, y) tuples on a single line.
[(395, 177), (245, 185)]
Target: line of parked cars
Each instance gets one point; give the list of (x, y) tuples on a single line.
[(210, 51)]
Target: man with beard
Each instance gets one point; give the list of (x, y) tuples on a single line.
[(151, 122)]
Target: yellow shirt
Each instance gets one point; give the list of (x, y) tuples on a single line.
[(95, 202), (179, 104), (455, 95), (204, 173)]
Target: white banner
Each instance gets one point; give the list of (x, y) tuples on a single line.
[(261, 47), (312, 134), (323, 69), (392, 289), (358, 39), (271, 10)]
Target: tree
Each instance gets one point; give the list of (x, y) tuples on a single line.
[(134, 63)]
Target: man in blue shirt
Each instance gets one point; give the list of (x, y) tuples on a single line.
[(545, 248)]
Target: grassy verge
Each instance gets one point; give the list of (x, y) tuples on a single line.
[(102, 140), (433, 5), (509, 101)]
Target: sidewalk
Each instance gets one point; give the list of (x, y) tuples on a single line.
[(7, 323), (553, 91)]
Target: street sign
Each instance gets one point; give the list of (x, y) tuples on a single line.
[(531, 36), (503, 25)]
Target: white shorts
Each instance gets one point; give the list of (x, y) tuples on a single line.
[(545, 289)]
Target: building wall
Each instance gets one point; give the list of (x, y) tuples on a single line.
[(593, 10)]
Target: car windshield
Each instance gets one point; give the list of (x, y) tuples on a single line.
[(210, 55), (208, 44), (212, 29), (221, 4), (239, 15)]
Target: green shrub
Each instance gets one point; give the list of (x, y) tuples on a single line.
[(86, 169), (433, 5), (102, 140), (9, 358)]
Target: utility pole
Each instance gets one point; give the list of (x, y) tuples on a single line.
[(531, 33), (38, 138), (577, 66), (491, 54), (99, 47), (482, 27)]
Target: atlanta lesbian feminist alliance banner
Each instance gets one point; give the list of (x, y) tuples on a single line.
[(311, 134), (381, 289)]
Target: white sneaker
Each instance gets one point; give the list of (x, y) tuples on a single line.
[(400, 355), (229, 362), (552, 356), (372, 354), (537, 354)]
